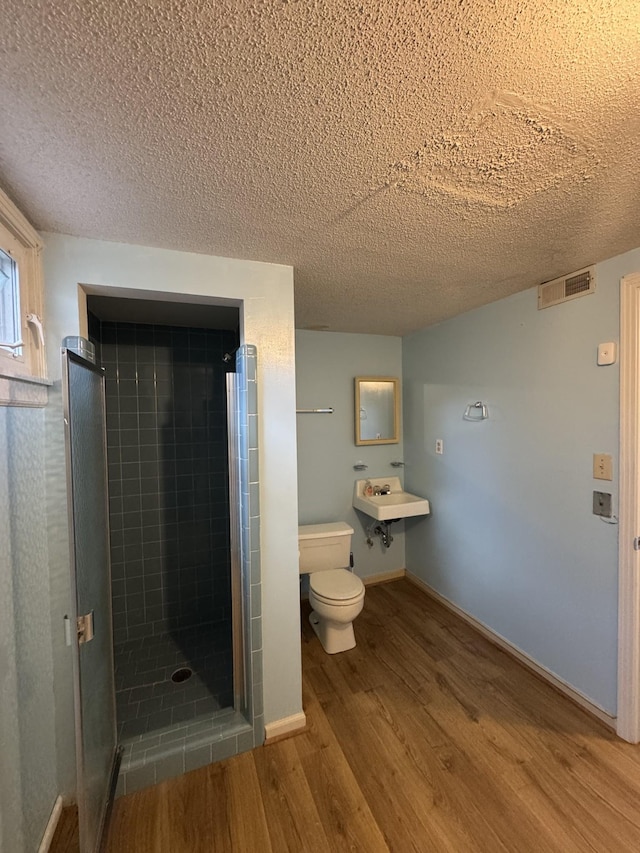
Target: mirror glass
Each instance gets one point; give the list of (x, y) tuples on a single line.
[(377, 413)]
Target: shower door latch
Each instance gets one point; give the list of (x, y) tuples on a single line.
[(84, 627)]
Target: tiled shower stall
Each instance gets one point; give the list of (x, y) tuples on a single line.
[(169, 518)]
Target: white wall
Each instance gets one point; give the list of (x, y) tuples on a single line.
[(326, 365), (266, 293), (512, 539)]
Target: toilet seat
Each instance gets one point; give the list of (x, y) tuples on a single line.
[(336, 586)]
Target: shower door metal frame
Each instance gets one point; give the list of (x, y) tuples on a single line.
[(240, 687), (74, 638)]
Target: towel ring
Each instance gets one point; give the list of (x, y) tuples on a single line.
[(476, 412)]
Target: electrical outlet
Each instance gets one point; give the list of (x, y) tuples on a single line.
[(602, 504), (602, 466), (439, 446), (607, 353)]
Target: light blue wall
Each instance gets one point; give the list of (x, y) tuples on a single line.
[(11, 834), (326, 365), (28, 781), (512, 540)]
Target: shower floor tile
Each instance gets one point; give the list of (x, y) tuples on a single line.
[(146, 696)]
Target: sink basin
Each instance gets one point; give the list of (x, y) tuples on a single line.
[(396, 504)]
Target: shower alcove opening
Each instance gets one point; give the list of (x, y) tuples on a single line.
[(181, 405)]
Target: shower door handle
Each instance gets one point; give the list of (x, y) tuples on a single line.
[(84, 626)]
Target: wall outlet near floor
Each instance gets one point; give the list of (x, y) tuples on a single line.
[(602, 466), (439, 446)]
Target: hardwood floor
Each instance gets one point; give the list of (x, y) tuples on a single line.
[(66, 839), (425, 737)]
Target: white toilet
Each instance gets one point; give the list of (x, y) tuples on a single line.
[(335, 594)]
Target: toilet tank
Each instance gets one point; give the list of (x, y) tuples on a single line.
[(324, 546)]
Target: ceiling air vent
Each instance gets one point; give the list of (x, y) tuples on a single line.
[(567, 287)]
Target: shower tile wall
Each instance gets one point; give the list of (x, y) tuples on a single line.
[(169, 518), (185, 745)]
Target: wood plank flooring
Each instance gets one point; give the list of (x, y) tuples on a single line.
[(425, 737)]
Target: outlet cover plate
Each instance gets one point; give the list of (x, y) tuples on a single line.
[(607, 353), (602, 504)]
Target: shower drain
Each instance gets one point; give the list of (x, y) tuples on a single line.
[(181, 674)]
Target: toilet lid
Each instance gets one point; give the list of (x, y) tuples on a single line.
[(337, 584)]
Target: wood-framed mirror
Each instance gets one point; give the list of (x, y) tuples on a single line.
[(377, 410)]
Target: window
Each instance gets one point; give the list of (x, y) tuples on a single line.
[(9, 304), (21, 336)]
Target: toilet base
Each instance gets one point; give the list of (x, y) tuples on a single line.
[(334, 636)]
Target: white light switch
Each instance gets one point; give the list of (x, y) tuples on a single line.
[(607, 353)]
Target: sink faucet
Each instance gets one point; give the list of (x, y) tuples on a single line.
[(382, 490)]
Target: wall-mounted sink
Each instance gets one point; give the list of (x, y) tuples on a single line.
[(396, 504)]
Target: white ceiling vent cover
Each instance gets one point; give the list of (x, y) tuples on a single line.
[(567, 287)]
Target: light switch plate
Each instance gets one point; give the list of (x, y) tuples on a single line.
[(602, 466), (607, 353)]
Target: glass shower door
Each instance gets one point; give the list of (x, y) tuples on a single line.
[(97, 756)]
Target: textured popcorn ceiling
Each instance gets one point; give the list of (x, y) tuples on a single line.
[(412, 160)]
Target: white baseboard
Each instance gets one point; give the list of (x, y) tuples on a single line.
[(52, 825), (284, 727), (384, 577), (518, 654)]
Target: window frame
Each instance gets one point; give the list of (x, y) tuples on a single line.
[(21, 241)]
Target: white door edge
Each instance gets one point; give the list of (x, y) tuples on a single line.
[(628, 715)]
